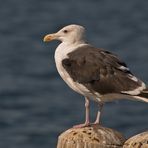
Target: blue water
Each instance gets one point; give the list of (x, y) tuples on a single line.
[(35, 104)]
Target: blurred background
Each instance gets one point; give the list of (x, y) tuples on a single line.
[(35, 104)]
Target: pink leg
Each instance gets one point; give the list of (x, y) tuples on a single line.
[(99, 113), (87, 121)]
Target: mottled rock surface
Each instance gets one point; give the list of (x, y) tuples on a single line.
[(94, 136), (137, 141)]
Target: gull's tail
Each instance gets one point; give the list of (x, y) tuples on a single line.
[(143, 96)]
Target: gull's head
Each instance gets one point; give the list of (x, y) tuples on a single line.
[(68, 34)]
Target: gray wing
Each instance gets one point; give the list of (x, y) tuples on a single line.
[(100, 71)]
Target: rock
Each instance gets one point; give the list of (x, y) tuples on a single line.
[(137, 141), (94, 136)]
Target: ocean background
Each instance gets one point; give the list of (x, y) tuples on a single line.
[(35, 103)]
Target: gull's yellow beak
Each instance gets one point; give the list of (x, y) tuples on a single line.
[(49, 37)]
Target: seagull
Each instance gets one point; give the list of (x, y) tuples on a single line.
[(95, 73)]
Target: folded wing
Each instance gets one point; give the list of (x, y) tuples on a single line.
[(101, 71)]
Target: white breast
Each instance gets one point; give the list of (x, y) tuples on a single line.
[(61, 53)]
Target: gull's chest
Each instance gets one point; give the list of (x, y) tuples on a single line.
[(60, 54)]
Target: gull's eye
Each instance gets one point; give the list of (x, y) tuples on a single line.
[(65, 31)]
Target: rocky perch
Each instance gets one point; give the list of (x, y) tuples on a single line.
[(137, 141), (94, 136)]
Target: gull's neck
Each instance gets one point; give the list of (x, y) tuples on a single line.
[(66, 47), (74, 43)]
